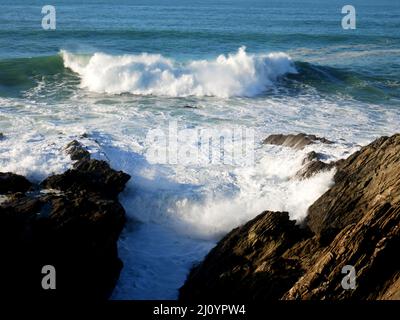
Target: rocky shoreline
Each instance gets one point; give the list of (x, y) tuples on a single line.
[(355, 224), (69, 221), (73, 220)]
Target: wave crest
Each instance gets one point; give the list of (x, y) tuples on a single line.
[(239, 74)]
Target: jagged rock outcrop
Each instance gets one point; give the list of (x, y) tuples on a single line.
[(76, 151), (356, 223), (313, 165), (248, 263), (74, 228), (296, 141), (90, 176), (365, 182)]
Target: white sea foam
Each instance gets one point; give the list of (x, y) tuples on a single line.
[(205, 203), (184, 211), (239, 74)]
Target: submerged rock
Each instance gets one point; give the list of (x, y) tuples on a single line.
[(355, 223), (75, 230), (298, 141)]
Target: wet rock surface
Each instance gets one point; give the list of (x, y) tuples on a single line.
[(355, 223), (313, 165), (295, 141), (73, 227), (94, 176), (76, 151)]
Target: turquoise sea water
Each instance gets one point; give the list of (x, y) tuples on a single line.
[(117, 69), (310, 31)]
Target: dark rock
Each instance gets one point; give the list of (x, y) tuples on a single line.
[(1, 136), (356, 222), (89, 175), (298, 141), (75, 230), (11, 183), (77, 151), (77, 234)]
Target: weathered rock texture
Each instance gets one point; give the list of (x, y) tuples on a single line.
[(313, 165), (296, 141), (74, 228), (356, 222), (248, 263)]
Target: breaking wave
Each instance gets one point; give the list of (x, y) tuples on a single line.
[(239, 74)]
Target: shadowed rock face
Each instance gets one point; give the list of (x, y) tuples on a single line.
[(298, 141), (90, 176), (11, 183), (74, 228), (248, 263), (356, 222)]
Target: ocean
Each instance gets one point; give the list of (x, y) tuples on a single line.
[(113, 72)]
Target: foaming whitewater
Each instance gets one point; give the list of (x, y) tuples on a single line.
[(184, 210), (270, 185), (239, 74)]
